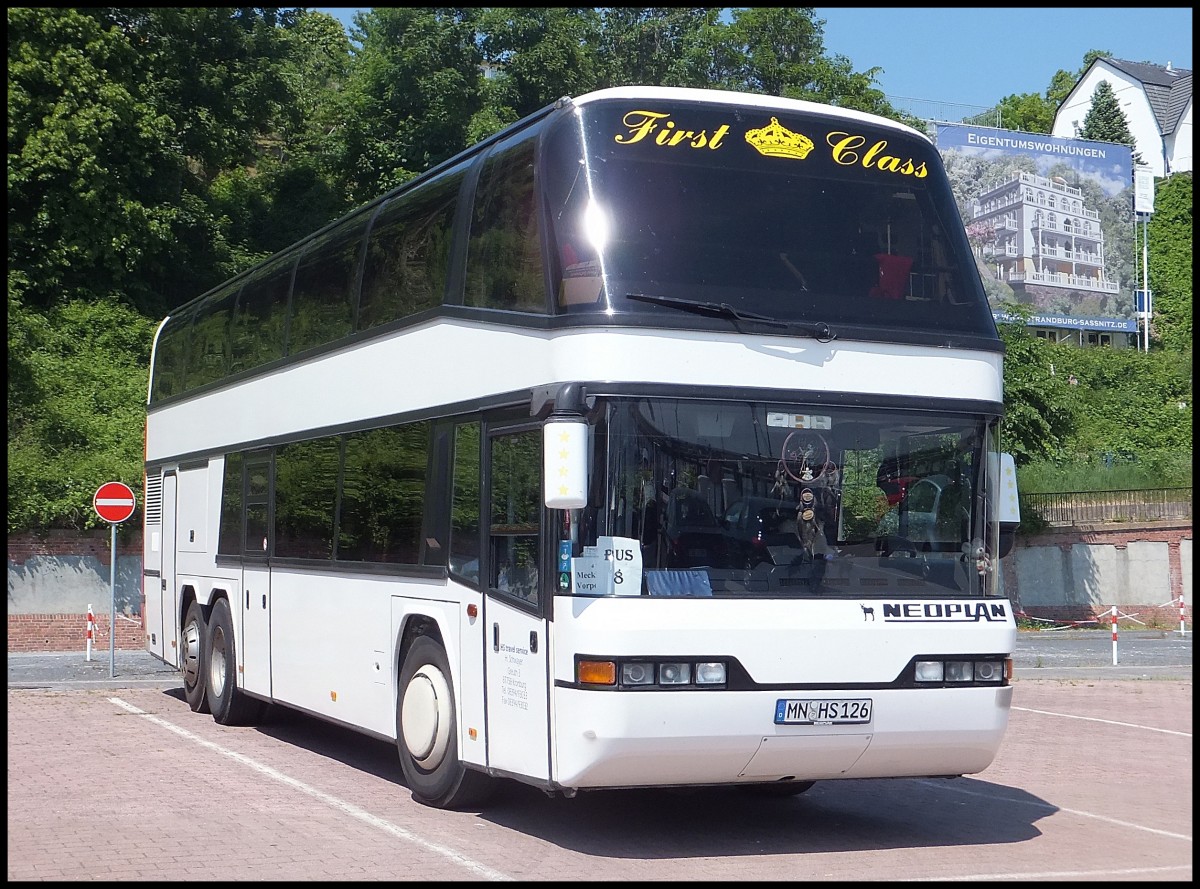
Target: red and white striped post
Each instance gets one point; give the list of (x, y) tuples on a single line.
[(1114, 628), (1182, 617), (91, 631)]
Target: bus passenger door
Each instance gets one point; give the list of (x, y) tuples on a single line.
[(515, 644), (162, 604), (254, 597)]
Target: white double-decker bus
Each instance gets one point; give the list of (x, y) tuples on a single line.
[(653, 441)]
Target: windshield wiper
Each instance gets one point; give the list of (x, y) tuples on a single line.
[(818, 329)]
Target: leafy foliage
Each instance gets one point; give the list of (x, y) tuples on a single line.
[(1106, 122), (155, 152), (76, 399), (1037, 412), (1170, 250), (1027, 112)]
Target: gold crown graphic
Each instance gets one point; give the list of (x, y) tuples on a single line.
[(776, 140)]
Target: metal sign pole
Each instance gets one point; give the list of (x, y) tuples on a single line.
[(114, 502), (112, 620), (1145, 282)]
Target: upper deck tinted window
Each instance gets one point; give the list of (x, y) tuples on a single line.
[(799, 216), (504, 253)]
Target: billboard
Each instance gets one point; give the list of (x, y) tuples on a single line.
[(1050, 222)]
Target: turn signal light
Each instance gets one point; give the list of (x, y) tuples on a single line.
[(597, 672)]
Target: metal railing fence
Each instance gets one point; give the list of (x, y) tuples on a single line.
[(1092, 507)]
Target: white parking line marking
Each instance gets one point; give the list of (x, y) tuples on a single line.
[(1149, 728), (454, 856), (1049, 807)]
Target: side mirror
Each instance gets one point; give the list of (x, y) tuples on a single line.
[(1008, 507), (564, 461)]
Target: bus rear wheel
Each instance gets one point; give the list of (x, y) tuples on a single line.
[(193, 640), (229, 705), (427, 732)]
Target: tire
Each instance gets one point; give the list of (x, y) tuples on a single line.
[(229, 705), (779, 789), (193, 639), (427, 733)]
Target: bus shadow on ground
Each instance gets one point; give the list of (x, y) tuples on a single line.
[(834, 816)]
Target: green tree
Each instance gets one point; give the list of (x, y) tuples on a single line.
[(414, 87), (536, 54), (76, 408), (119, 122), (1106, 122), (1037, 413), (783, 54), (1033, 113), (1170, 250), (655, 45), (1028, 112)]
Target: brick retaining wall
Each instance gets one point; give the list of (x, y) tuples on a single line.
[(68, 632), (1119, 536)]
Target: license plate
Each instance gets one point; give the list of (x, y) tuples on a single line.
[(840, 711)]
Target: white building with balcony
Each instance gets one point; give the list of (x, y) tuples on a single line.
[(1037, 231)]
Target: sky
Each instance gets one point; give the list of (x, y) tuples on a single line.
[(976, 57)]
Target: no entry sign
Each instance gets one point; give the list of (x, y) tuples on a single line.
[(114, 502)]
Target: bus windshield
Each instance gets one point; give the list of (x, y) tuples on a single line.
[(775, 499), (792, 216)]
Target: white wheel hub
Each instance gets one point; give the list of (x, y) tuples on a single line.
[(425, 716)]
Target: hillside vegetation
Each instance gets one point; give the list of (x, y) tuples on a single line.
[(155, 152)]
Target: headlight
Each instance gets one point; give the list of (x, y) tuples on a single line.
[(989, 671), (710, 673), (674, 674), (637, 673), (959, 671), (650, 674), (930, 671)]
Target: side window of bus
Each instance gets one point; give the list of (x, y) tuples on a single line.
[(306, 474), (260, 320), (170, 357), (514, 528), (323, 295), (408, 253), (258, 492), (383, 495), (504, 256), (464, 503), (208, 361), (229, 539)]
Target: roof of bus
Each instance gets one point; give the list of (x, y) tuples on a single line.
[(731, 97)]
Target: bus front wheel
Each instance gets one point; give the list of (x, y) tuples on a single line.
[(193, 639), (229, 705), (427, 732)]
